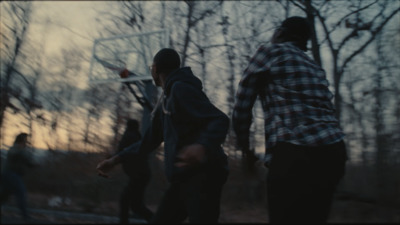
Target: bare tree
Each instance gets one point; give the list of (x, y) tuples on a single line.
[(34, 70), (196, 12), (61, 90), (361, 23), (129, 17), (15, 23), (98, 99), (357, 133), (124, 108), (189, 13)]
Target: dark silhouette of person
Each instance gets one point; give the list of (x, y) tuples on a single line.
[(19, 160), (305, 151), (193, 131), (138, 171)]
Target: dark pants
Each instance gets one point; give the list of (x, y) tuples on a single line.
[(197, 198), (12, 184), (132, 197), (301, 182)]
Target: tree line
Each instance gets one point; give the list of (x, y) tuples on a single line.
[(357, 43)]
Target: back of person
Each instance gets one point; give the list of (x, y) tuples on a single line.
[(304, 148), (19, 160), (297, 97)]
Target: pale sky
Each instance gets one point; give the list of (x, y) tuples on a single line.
[(69, 22), (64, 23)]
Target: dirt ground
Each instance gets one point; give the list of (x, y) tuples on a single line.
[(49, 214), (343, 212)]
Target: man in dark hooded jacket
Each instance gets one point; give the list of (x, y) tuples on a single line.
[(192, 130)]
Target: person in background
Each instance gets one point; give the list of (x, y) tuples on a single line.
[(303, 140), (19, 160), (138, 171), (193, 131)]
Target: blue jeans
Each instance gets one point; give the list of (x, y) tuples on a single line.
[(12, 184)]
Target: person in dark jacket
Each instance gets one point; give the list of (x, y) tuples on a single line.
[(19, 161), (193, 131), (138, 171)]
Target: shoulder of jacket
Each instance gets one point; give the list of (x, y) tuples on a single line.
[(181, 86)]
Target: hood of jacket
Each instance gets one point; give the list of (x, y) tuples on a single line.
[(183, 74)]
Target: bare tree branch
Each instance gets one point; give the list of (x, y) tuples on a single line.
[(356, 29), (372, 38)]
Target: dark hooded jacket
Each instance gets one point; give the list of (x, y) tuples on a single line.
[(185, 116)]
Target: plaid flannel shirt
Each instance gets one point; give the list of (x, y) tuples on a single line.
[(294, 96)]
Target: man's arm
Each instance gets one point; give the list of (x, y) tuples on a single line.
[(246, 95), (242, 114)]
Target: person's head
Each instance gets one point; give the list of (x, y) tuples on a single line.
[(164, 62), (21, 139), (293, 29), (132, 124)]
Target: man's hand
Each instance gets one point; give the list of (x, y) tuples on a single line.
[(106, 165), (191, 155)]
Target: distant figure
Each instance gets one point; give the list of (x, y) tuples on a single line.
[(138, 170), (303, 140), (19, 160)]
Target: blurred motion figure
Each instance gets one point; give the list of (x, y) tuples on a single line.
[(138, 171), (19, 160)]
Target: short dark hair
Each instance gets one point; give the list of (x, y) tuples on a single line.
[(167, 60), (21, 138), (297, 29)]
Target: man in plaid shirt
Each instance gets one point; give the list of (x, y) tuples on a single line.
[(303, 139)]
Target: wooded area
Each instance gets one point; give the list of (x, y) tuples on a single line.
[(357, 42)]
